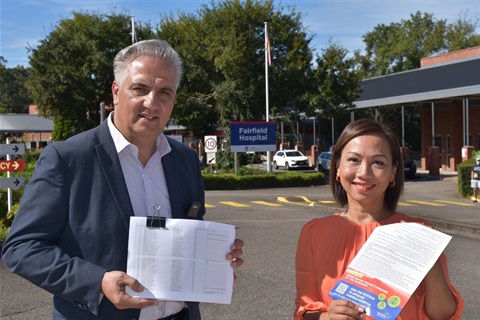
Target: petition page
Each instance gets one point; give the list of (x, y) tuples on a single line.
[(185, 261), (389, 267)]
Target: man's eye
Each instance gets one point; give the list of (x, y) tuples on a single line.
[(139, 90), (165, 92)]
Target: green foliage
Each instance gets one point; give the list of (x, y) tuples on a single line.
[(400, 46), (14, 97), (336, 82), (464, 170), (63, 128), (71, 69), (6, 217), (222, 47), (3, 233), (461, 34), (475, 154), (229, 181)]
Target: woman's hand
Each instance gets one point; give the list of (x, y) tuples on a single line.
[(344, 310)]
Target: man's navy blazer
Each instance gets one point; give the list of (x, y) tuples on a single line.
[(72, 223)]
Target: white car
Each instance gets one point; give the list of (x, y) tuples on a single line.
[(290, 159)]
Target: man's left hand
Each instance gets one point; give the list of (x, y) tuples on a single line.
[(235, 254)]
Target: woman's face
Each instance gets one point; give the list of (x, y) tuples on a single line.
[(365, 170)]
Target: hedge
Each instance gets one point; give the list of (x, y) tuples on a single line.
[(464, 170), (231, 181)]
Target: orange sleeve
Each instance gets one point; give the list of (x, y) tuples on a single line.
[(308, 296), (458, 297)]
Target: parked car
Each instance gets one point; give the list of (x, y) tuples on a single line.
[(409, 167), (290, 159), (323, 161)]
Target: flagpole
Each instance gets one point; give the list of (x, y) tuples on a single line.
[(133, 31), (267, 116)]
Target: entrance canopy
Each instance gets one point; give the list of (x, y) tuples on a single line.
[(458, 79), (21, 123)]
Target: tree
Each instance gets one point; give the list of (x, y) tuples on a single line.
[(336, 82), (461, 34), (401, 45), (71, 69), (14, 97), (222, 46)]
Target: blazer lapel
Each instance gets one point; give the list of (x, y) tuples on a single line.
[(170, 168), (108, 158)]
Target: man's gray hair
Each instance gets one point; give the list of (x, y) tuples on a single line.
[(154, 48)]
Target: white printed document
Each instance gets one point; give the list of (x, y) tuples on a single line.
[(389, 267), (185, 261)]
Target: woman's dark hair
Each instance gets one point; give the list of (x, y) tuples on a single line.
[(364, 127)]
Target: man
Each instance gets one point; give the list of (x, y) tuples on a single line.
[(475, 179), (70, 234)]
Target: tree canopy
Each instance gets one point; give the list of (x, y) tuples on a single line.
[(222, 47), (400, 46), (14, 96), (71, 69)]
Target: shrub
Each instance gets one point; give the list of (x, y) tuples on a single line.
[(464, 170), (230, 181), (6, 217)]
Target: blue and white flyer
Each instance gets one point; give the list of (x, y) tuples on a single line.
[(389, 267)]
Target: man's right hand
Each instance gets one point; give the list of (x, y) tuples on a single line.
[(113, 287)]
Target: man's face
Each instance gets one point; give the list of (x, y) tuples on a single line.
[(144, 100)]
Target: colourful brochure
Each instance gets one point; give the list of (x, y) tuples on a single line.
[(389, 267)]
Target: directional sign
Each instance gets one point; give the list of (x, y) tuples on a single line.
[(210, 144), (12, 148), (12, 182), (12, 165), (210, 158)]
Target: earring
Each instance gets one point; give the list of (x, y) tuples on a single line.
[(392, 183), (337, 178)]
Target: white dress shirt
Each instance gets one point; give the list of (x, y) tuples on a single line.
[(147, 189)]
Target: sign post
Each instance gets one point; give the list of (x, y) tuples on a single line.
[(210, 150), (11, 165)]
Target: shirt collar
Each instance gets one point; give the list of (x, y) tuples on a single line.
[(163, 147)]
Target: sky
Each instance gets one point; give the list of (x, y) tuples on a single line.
[(24, 22)]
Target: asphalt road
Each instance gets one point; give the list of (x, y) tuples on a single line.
[(269, 221)]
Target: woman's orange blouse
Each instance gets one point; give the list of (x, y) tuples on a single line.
[(327, 246)]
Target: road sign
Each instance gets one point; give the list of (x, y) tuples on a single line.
[(210, 158), (12, 148), (12, 165), (210, 144), (12, 182), (253, 136)]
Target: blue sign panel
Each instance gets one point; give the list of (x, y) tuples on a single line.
[(253, 136)]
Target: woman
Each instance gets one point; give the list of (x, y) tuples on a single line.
[(366, 178)]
